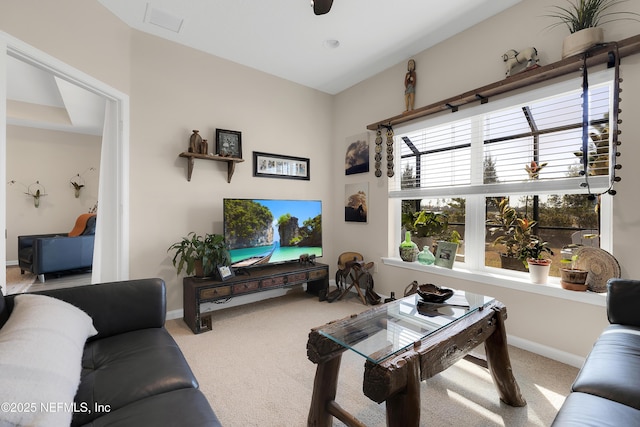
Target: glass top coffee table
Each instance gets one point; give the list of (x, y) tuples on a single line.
[(401, 323), (406, 341)]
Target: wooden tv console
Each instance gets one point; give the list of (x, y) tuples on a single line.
[(197, 290)]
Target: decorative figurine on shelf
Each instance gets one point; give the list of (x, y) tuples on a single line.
[(512, 58), (410, 85), (204, 147), (195, 142)]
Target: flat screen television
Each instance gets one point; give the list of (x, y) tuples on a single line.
[(268, 231)]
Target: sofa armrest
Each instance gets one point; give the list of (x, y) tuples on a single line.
[(623, 298), (27, 241), (118, 307)]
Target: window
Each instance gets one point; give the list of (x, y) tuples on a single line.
[(527, 151)]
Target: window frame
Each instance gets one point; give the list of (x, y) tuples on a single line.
[(473, 266)]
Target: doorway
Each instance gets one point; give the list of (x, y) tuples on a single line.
[(112, 232)]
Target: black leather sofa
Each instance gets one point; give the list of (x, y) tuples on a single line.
[(132, 369), (607, 389)]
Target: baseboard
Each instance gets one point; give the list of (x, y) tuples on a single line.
[(549, 352), (11, 263)]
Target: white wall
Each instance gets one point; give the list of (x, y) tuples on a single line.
[(470, 60), (52, 158), (175, 89)]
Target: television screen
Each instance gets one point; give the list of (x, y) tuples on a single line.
[(264, 231)]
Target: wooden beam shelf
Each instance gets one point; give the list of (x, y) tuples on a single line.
[(231, 162), (598, 55)]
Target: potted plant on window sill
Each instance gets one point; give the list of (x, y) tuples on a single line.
[(513, 232), (583, 18), (200, 255), (572, 278), (535, 256)]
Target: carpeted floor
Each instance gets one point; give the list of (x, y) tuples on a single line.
[(16, 282), (254, 370)]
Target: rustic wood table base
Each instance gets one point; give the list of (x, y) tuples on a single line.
[(396, 380)]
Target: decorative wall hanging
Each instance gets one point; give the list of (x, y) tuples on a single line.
[(279, 166), (390, 152), (356, 159), (355, 207), (229, 143), (78, 183), (35, 190), (378, 154)]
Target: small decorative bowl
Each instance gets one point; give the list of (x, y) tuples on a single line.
[(432, 293)]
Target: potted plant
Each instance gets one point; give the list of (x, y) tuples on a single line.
[(571, 277), (513, 232), (432, 226), (583, 18), (535, 256), (200, 255)]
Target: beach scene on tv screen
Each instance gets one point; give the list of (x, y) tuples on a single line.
[(261, 231)]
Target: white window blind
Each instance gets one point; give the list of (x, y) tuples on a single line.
[(526, 143)]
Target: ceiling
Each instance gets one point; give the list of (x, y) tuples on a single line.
[(354, 41), (284, 37)]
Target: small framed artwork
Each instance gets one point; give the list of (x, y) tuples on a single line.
[(355, 202), (356, 159), (229, 143), (279, 166), (446, 254), (224, 272)]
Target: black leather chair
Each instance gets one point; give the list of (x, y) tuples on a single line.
[(58, 252)]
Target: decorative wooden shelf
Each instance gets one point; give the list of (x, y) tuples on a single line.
[(231, 162), (598, 55)]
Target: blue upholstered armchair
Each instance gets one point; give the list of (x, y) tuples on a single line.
[(58, 252)]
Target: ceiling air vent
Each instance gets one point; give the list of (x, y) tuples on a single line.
[(163, 19)]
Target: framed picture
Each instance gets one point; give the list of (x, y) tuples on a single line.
[(279, 166), (356, 159), (224, 272), (355, 202), (229, 143), (446, 254)]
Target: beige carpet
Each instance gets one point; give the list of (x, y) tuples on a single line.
[(254, 370)]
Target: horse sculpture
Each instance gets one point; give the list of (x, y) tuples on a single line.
[(512, 58)]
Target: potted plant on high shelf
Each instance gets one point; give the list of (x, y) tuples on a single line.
[(583, 18), (513, 232), (200, 255), (535, 256)]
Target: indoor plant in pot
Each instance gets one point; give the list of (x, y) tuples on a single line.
[(572, 278), (535, 256), (583, 18), (200, 255), (512, 231)]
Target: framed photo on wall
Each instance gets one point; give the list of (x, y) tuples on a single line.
[(355, 202), (279, 166), (229, 143), (356, 159)]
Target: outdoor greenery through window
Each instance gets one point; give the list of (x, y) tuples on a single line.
[(525, 155)]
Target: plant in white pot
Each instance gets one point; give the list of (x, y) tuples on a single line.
[(535, 255), (583, 18)]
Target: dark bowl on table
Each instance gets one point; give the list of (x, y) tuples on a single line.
[(432, 293)]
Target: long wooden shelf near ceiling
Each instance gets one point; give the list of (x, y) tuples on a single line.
[(231, 162), (599, 55)]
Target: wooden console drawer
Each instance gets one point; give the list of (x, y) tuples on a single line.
[(318, 274), (296, 278), (245, 287), (215, 292), (273, 281)]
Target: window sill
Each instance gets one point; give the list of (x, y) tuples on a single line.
[(551, 289)]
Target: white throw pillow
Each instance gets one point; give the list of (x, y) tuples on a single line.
[(41, 347)]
